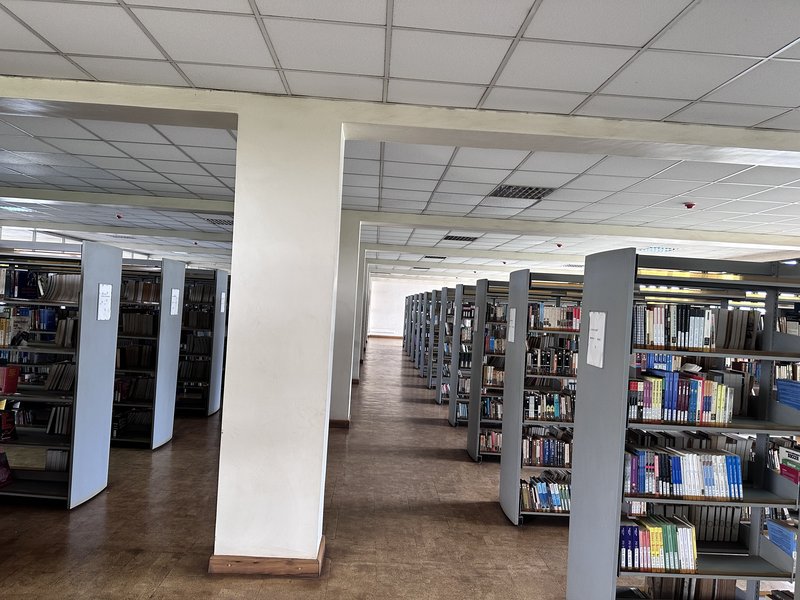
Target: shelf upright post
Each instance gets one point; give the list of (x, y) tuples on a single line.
[(476, 372), (600, 424), (455, 355), (218, 341), (445, 296), (433, 330)]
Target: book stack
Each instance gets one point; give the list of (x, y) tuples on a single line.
[(548, 492), (200, 293), (136, 291), (657, 545), (60, 422), (539, 451), (134, 389), (492, 408), (686, 327), (559, 318), (493, 376), (61, 377), (56, 460), (138, 323), (496, 313), (462, 411), (549, 406), (490, 441), (201, 319), (67, 332), (494, 345), (688, 474), (674, 397), (194, 370), (784, 458), (62, 287)]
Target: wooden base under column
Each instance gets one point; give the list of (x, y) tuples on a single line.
[(257, 565)]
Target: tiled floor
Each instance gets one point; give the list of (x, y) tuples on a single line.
[(408, 515)]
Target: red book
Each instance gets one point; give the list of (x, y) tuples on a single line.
[(9, 377)]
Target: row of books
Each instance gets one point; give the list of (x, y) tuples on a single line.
[(62, 287), (467, 312), (547, 341), (67, 333), (35, 319), (675, 397), (549, 406), (546, 447), (790, 371), (494, 345), (138, 323), (492, 408), (134, 389), (135, 290), (465, 360), (200, 292), (542, 316), (783, 456), (552, 361), (466, 334), (682, 326), (464, 386), (60, 422), (490, 441), (24, 284), (657, 545), (135, 356), (198, 319), (56, 460), (496, 312), (711, 523), (681, 588), (61, 377), (546, 492), (133, 422), (194, 370), (462, 411), (689, 474), (493, 376)]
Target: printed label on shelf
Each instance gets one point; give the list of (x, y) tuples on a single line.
[(104, 301), (512, 321), (175, 304), (597, 338), (222, 297)]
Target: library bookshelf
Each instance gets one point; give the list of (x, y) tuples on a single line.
[(148, 347), (461, 356), (432, 358), (616, 285), (61, 321), (444, 345)]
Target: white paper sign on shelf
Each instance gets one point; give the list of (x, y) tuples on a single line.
[(104, 301), (222, 298), (512, 322), (597, 338), (175, 303)]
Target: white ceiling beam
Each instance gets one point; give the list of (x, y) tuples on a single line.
[(739, 239), (476, 253), (447, 266), (133, 201), (62, 228)]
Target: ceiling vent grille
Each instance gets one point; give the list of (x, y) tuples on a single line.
[(657, 249), (459, 238), (422, 268), (119, 236), (524, 192), (573, 266), (429, 257), (228, 222)]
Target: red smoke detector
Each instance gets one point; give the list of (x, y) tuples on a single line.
[(689, 205)]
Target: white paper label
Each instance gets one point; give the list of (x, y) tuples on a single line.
[(176, 301), (104, 302), (597, 339), (222, 298), (512, 323)]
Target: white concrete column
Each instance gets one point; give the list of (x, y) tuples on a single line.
[(280, 337), (344, 329), (360, 303)]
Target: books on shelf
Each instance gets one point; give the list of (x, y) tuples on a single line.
[(138, 291), (547, 492), (134, 389), (61, 377), (133, 355), (492, 408), (56, 460), (549, 406), (697, 328), (676, 397), (493, 376), (546, 447), (138, 323), (496, 313), (714, 475), (60, 422), (561, 318), (495, 345), (490, 441), (199, 293), (657, 545), (462, 411)]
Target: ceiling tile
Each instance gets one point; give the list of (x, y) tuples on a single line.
[(24, 143), (211, 155), (87, 147), (490, 158), (196, 180), (355, 11), (316, 46), (445, 56), (602, 183), (27, 64), (462, 199), (458, 187), (434, 94), (773, 83), (360, 180), (788, 120), (562, 67), (623, 107), (234, 78), (781, 194), (126, 164), (202, 37), (570, 195), (399, 169), (560, 162), (727, 190), (17, 37), (409, 184), (123, 132), (675, 74), (395, 194), (155, 186), (664, 186), (226, 171), (327, 85), (449, 209), (132, 71), (538, 179), (725, 114), (547, 204), (749, 207), (700, 171), (363, 149), (139, 176), (415, 153), (204, 137), (622, 22), (49, 126), (387, 203), (55, 159), (234, 6), (73, 28), (501, 98), (734, 27), (468, 16), (634, 199), (766, 176), (152, 151), (167, 166), (630, 166), (476, 175)]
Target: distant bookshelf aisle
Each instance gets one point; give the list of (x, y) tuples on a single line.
[(683, 389), (56, 364), (539, 396), (461, 359), (433, 333), (487, 374), (444, 345), (148, 340), (202, 343)]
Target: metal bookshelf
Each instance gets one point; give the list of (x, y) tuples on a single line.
[(147, 420), (613, 281), (525, 288), (444, 346), (433, 333), (85, 428), (461, 358), (488, 294)]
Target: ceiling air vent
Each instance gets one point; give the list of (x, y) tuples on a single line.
[(422, 268), (657, 249), (220, 221), (459, 238), (573, 266), (119, 236), (525, 192), (429, 257)]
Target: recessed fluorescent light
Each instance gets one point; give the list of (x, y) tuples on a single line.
[(789, 262), (17, 209)]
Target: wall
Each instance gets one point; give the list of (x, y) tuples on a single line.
[(387, 302)]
